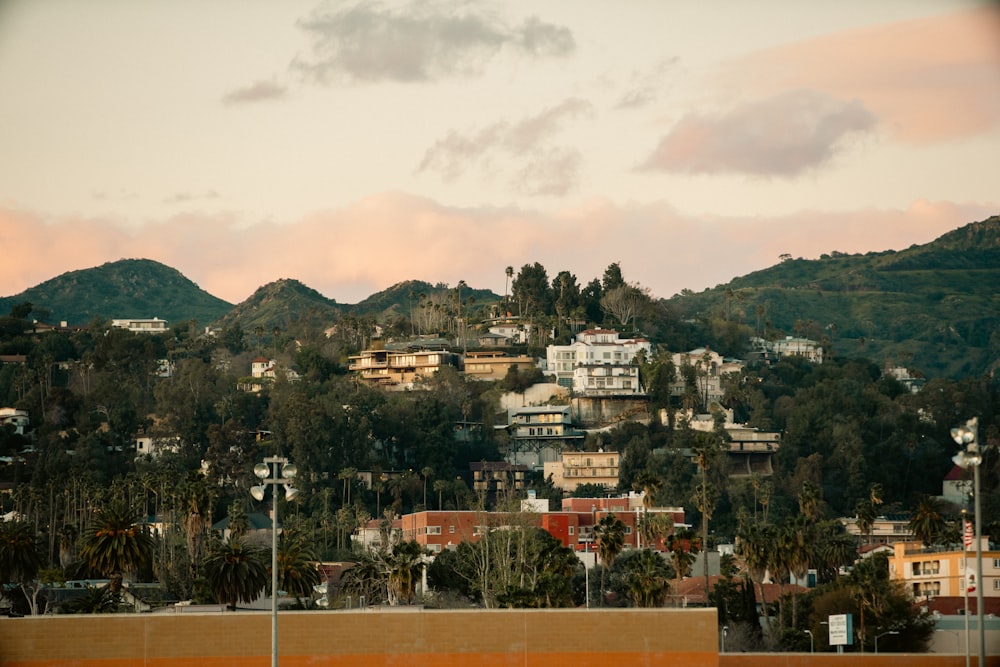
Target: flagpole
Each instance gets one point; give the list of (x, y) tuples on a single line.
[(967, 541)]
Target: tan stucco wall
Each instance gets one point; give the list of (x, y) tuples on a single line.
[(508, 638)]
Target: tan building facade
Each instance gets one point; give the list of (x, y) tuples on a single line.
[(576, 468)]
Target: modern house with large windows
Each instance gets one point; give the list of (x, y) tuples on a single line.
[(537, 434), (598, 362)]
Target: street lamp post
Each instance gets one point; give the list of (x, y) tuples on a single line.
[(970, 455), (887, 632), (812, 645), (725, 631), (273, 471)]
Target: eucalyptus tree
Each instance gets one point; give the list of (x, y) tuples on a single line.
[(532, 290)]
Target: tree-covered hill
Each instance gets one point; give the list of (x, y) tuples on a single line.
[(932, 307), (401, 299), (279, 304), (124, 289)]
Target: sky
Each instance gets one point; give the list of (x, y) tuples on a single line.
[(353, 146)]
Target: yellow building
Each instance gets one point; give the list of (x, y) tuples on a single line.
[(932, 573)]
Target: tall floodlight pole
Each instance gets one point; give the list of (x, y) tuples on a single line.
[(273, 471), (970, 455)]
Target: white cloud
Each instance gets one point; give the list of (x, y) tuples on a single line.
[(418, 41)]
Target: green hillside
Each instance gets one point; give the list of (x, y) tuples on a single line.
[(126, 288), (935, 308), (278, 304)]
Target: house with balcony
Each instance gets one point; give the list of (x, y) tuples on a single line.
[(597, 362), (886, 529), (264, 371), (493, 477), (18, 419), (788, 346), (537, 434), (400, 370), (576, 468), (749, 451), (700, 372), (493, 365)]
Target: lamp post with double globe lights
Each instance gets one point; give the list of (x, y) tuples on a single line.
[(274, 471), (970, 456)]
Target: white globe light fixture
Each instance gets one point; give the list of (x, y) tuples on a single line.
[(274, 471)]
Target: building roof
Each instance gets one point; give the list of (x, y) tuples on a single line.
[(692, 589), (957, 474)]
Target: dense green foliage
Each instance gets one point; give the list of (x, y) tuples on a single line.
[(124, 289), (854, 442), (912, 308)]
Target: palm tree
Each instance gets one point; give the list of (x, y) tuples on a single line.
[(682, 551), (611, 540), (116, 545), (425, 473), (441, 485), (754, 544), (21, 553), (297, 573), (96, 600), (405, 567), (648, 579), (836, 548), (347, 476), (927, 522), (236, 571), (509, 271), (797, 541), (809, 499)]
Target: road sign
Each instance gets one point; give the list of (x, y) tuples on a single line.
[(841, 632)]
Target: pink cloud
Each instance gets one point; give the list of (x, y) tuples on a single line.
[(782, 135), (928, 79), (351, 253)]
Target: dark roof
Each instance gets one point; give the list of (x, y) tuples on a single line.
[(257, 521)]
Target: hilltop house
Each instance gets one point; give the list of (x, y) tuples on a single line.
[(493, 365), (576, 468), (138, 325), (700, 372), (598, 362), (540, 433)]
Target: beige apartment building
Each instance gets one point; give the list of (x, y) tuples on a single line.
[(576, 468)]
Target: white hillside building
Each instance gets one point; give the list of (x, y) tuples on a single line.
[(598, 362)]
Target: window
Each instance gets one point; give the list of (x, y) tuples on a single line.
[(996, 584), (434, 547), (451, 529), (996, 563), (628, 530), (433, 530), (572, 530)]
